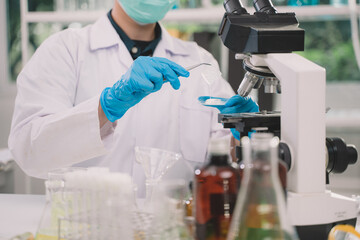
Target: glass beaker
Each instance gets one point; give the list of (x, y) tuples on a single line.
[(155, 162), (55, 204)]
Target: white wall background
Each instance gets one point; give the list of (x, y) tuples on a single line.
[(6, 90), (15, 179), (344, 100)]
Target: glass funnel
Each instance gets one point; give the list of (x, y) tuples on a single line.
[(156, 163)]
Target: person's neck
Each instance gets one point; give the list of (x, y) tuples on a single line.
[(132, 29)]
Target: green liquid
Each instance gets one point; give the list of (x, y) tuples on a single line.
[(263, 234)]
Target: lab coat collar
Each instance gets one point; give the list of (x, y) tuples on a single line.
[(171, 44), (103, 35)]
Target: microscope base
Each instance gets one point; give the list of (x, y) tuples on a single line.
[(314, 214)]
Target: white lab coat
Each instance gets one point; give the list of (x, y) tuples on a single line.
[(55, 122)]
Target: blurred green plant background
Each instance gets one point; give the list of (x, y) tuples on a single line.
[(327, 41)]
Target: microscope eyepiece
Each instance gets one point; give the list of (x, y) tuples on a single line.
[(265, 6), (234, 7)]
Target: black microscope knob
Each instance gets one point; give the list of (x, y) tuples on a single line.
[(352, 154), (340, 155)]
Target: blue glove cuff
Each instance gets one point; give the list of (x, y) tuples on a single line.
[(113, 108), (104, 107)]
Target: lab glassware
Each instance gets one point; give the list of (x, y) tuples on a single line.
[(55, 204), (155, 163), (95, 200), (216, 187), (210, 101), (209, 76), (344, 232), (260, 211), (169, 212)]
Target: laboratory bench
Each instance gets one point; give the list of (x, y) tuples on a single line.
[(22, 213)]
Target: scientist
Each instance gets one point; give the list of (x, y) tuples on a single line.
[(88, 96)]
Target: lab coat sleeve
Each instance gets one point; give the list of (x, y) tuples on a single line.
[(220, 88), (48, 131)]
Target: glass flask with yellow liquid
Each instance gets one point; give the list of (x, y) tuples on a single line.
[(55, 209), (260, 211)]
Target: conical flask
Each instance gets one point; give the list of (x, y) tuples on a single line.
[(55, 205), (260, 211), (155, 162)]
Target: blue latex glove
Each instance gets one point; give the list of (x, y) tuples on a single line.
[(235, 104), (146, 75), (238, 104)]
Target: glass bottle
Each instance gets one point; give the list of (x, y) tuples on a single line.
[(260, 212), (282, 170), (216, 186)]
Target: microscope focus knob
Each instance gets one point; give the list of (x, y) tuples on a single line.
[(352, 153), (340, 155)]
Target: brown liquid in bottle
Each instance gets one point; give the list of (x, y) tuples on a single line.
[(216, 188)]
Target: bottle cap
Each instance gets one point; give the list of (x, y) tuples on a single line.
[(219, 146)]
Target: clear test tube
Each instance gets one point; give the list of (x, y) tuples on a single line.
[(121, 203), (80, 193), (108, 226), (98, 173), (96, 202), (72, 200), (71, 207), (86, 207)]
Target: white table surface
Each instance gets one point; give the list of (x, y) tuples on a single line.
[(19, 214), (22, 213)]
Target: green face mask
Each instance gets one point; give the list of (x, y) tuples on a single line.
[(146, 11)]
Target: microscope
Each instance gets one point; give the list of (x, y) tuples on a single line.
[(265, 41)]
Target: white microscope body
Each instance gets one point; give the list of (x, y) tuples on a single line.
[(303, 128), (267, 38)]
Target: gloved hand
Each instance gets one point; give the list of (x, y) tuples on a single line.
[(146, 75), (235, 104), (238, 104)]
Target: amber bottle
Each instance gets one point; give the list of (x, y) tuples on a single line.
[(215, 192)]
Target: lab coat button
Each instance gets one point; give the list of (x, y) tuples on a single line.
[(134, 50)]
